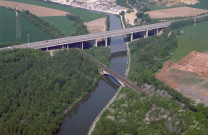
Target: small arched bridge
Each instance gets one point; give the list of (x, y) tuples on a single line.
[(105, 70)]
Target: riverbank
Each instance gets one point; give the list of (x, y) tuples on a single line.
[(117, 93)]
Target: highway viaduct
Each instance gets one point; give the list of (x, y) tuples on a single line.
[(69, 41)]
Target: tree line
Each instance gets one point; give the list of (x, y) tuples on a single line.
[(48, 28), (79, 24)]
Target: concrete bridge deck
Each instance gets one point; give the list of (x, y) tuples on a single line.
[(116, 75), (89, 37)]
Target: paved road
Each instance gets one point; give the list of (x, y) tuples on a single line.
[(88, 37), (111, 72)]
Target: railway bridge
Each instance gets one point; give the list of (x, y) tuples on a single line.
[(105, 70)]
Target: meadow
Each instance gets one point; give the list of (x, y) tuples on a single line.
[(62, 23), (202, 5), (8, 28), (193, 38), (85, 15)]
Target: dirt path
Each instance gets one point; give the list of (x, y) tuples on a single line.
[(130, 17), (36, 10)]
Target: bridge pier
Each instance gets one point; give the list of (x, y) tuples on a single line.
[(157, 32), (96, 43), (83, 45), (146, 35), (106, 42), (132, 37)]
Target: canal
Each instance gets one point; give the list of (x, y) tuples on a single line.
[(79, 120)]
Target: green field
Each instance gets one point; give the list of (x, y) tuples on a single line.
[(193, 38), (203, 4), (8, 28), (86, 16), (62, 23)]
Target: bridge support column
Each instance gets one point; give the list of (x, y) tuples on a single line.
[(106, 42), (96, 43), (83, 45), (132, 37), (47, 49), (67, 46), (146, 35), (157, 32), (62, 47)]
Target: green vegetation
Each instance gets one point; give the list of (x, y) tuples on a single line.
[(85, 15), (131, 113), (45, 26), (148, 56), (107, 23), (62, 23), (5, 44), (78, 24), (205, 85), (8, 28), (193, 38), (123, 3), (191, 80), (102, 54), (36, 89), (203, 4)]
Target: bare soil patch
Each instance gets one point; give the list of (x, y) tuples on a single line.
[(189, 76), (175, 12), (36, 10), (96, 26), (130, 17)]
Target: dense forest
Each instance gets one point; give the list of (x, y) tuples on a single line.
[(132, 113), (36, 89), (167, 111)]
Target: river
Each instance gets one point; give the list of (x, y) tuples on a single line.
[(79, 120)]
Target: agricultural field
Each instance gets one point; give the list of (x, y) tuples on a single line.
[(202, 5), (36, 10), (62, 23), (86, 16), (8, 28), (193, 38), (175, 12)]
